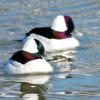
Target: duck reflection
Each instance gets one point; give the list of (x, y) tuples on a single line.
[(35, 87), (33, 92), (62, 61)]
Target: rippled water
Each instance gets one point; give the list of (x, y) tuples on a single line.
[(82, 81)]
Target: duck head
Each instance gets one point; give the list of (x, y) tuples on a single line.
[(63, 24), (33, 46)]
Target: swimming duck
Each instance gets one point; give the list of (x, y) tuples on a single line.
[(58, 36), (29, 59)]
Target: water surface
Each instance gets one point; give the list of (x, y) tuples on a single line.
[(82, 81)]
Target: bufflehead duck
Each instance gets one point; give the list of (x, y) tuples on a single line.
[(58, 37), (29, 59)]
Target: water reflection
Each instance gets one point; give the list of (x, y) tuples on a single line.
[(34, 87), (33, 91), (25, 87), (62, 61)]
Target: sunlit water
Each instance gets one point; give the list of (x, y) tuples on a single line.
[(82, 81)]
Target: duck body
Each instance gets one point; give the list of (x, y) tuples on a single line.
[(28, 60), (34, 66), (58, 36), (53, 40)]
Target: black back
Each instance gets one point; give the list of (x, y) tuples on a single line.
[(43, 31)]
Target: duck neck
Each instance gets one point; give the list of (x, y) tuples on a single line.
[(61, 35)]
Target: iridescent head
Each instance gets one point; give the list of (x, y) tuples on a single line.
[(63, 23)]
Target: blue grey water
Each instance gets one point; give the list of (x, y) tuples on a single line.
[(82, 81)]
